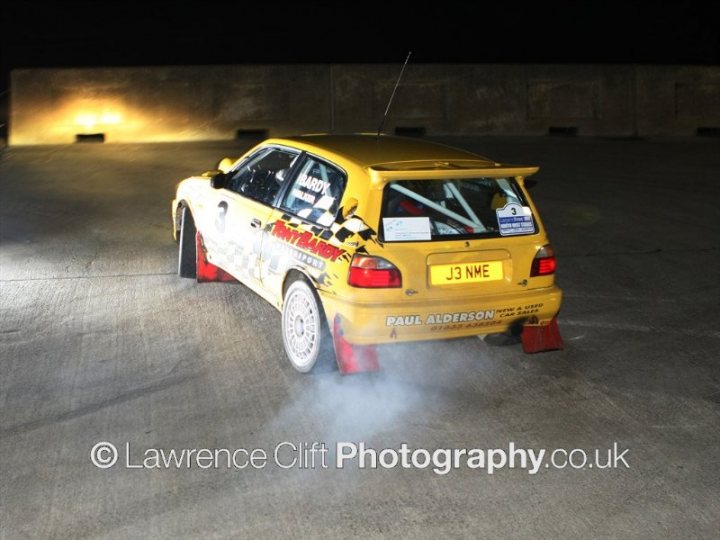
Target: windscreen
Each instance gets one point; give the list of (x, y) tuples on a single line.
[(426, 210)]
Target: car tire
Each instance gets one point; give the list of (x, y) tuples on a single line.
[(187, 257), (307, 340)]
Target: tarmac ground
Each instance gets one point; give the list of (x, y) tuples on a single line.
[(101, 341)]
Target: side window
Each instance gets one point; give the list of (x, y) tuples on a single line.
[(316, 192), (262, 176)]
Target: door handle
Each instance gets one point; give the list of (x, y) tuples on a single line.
[(255, 223)]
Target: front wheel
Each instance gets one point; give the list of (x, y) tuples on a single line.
[(307, 341)]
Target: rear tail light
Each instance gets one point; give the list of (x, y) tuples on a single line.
[(544, 262), (373, 273)]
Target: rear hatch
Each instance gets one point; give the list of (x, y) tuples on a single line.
[(471, 233)]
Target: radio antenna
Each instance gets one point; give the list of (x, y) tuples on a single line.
[(392, 96)]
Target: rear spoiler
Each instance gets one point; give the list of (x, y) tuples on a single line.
[(379, 177)]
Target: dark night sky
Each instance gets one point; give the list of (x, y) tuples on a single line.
[(112, 33)]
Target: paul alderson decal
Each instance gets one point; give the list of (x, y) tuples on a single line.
[(519, 311), (461, 317), (439, 318)]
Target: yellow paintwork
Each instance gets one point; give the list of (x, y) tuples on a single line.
[(418, 310)]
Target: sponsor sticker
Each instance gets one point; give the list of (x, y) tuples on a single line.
[(514, 219), (407, 229), (439, 318), (306, 241)]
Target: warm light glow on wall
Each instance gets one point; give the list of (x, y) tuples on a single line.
[(91, 120), (75, 111)]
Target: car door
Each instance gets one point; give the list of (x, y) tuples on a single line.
[(301, 226), (242, 209)]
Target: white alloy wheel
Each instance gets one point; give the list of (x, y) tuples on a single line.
[(302, 326)]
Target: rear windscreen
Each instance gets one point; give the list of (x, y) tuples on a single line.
[(425, 210)]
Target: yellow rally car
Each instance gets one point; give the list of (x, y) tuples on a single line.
[(361, 240)]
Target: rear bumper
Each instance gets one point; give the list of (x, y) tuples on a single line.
[(416, 320)]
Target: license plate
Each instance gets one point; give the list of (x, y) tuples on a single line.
[(450, 274)]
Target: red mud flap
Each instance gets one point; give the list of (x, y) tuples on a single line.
[(541, 337), (353, 358), (206, 271)]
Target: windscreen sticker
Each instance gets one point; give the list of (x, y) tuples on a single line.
[(514, 219), (325, 202), (303, 196), (407, 229), (313, 184)]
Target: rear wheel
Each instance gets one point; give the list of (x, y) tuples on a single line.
[(187, 257), (307, 340)]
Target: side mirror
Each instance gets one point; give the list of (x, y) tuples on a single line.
[(350, 207), (218, 180), (225, 164)]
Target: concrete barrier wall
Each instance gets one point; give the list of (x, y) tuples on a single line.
[(146, 104)]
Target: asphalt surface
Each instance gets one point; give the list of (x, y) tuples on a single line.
[(101, 341)]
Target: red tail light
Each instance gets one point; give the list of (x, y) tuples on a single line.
[(373, 273), (544, 262)]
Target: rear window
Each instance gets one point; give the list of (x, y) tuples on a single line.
[(461, 208)]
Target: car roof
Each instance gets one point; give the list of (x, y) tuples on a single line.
[(388, 152)]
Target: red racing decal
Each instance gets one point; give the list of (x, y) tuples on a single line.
[(205, 270), (306, 240)]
